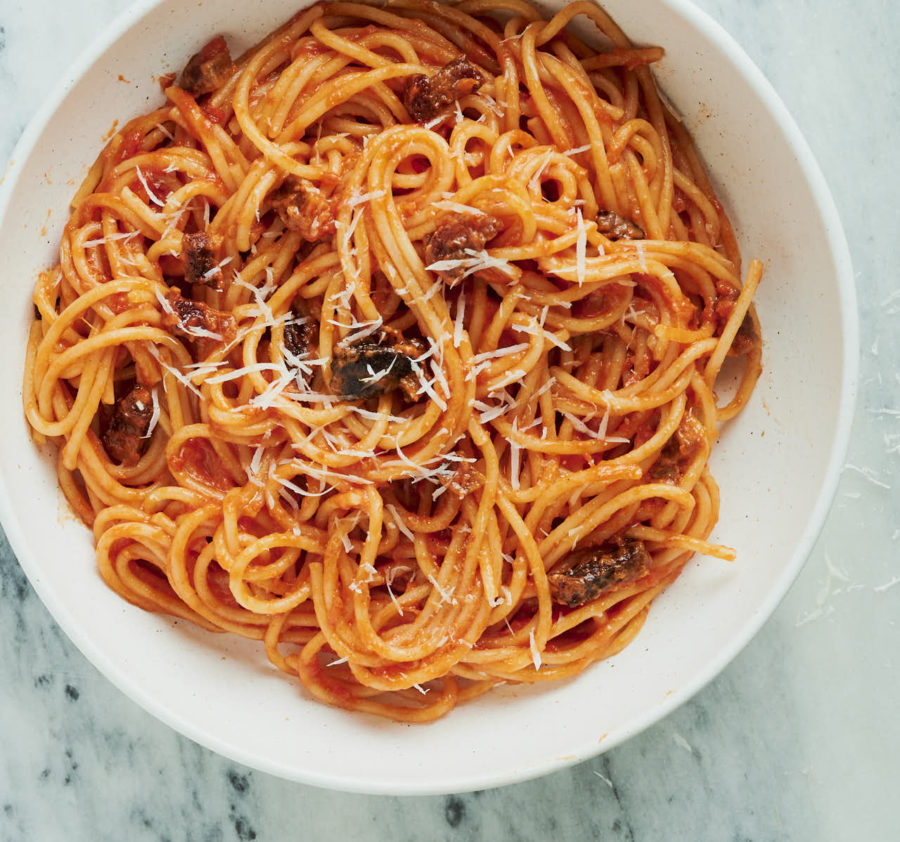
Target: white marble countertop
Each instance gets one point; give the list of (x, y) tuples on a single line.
[(798, 739)]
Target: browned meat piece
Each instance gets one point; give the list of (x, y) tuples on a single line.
[(726, 296), (745, 339), (197, 320), (585, 574), (454, 237), (200, 263), (463, 479), (370, 369), (209, 69), (304, 208), (300, 337), (124, 439), (426, 97), (615, 227), (678, 451)]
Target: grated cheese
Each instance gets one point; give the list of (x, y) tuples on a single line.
[(500, 352), (387, 584), (600, 434), (181, 378), (581, 249), (266, 398), (364, 329), (445, 597), (264, 309), (432, 291), (641, 257), (150, 194), (154, 418), (240, 372), (535, 654), (256, 460), (491, 103), (193, 331), (514, 452), (365, 197), (475, 262), (537, 330), (376, 416), (216, 270), (354, 221), (535, 182), (458, 323), (124, 236), (398, 522), (457, 207), (375, 376)]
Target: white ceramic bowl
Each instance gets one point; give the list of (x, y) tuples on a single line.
[(777, 465)]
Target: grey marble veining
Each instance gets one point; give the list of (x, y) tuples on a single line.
[(797, 740)]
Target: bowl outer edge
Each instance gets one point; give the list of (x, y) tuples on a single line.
[(849, 381)]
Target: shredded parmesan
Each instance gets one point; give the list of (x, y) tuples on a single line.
[(398, 522), (217, 269), (639, 246), (363, 330), (477, 261), (500, 352), (457, 207), (458, 323), (240, 372), (537, 330), (600, 434), (150, 194), (514, 451), (154, 418), (375, 376), (535, 654), (387, 584), (581, 249), (256, 460), (181, 378), (535, 182), (124, 236), (445, 597), (365, 197)]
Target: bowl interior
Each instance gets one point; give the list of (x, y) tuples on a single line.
[(776, 465)]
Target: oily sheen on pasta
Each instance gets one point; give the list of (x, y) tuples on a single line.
[(393, 344)]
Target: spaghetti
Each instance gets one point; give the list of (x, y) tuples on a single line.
[(393, 343)]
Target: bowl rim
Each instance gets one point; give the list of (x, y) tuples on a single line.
[(716, 34)]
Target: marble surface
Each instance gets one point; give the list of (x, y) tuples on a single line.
[(798, 739)]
